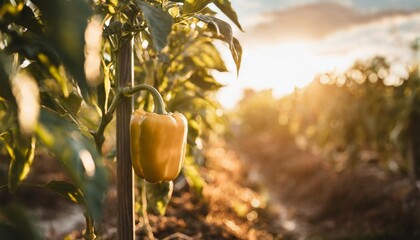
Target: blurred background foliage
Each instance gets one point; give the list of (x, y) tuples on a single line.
[(365, 115), (341, 153)]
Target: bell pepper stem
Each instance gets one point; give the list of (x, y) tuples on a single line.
[(126, 92), (157, 98)]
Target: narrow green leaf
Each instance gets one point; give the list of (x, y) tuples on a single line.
[(6, 140), (65, 24), (79, 157), (226, 7), (159, 23), (236, 51), (103, 90), (20, 164), (194, 6), (66, 190), (101, 97)]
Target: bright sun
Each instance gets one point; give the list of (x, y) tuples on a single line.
[(281, 67)]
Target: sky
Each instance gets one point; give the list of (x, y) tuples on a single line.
[(286, 43), (246, 8)]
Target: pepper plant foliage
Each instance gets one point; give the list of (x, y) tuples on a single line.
[(44, 83), (370, 114), (175, 53)]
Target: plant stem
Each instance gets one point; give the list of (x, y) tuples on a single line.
[(147, 226), (157, 98), (105, 120), (90, 230)]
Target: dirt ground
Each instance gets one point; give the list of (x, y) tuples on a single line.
[(321, 203), (227, 209), (256, 191)]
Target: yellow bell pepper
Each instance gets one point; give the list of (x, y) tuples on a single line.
[(158, 144)]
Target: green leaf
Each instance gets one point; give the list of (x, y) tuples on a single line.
[(193, 177), (224, 31), (194, 130), (72, 103), (79, 157), (6, 140), (20, 14), (205, 81), (47, 62), (193, 6), (7, 118), (19, 220), (159, 23), (226, 7), (41, 73), (102, 98), (220, 27), (20, 164), (207, 56), (65, 24), (103, 90), (158, 196), (6, 87), (236, 51), (66, 190), (26, 18), (114, 27), (68, 107)]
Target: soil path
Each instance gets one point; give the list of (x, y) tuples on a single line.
[(314, 201)]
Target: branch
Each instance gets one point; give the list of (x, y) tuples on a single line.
[(157, 98), (105, 120)]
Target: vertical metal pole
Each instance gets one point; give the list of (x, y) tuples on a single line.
[(125, 182)]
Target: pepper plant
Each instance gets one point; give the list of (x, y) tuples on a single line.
[(53, 69), (378, 125)]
